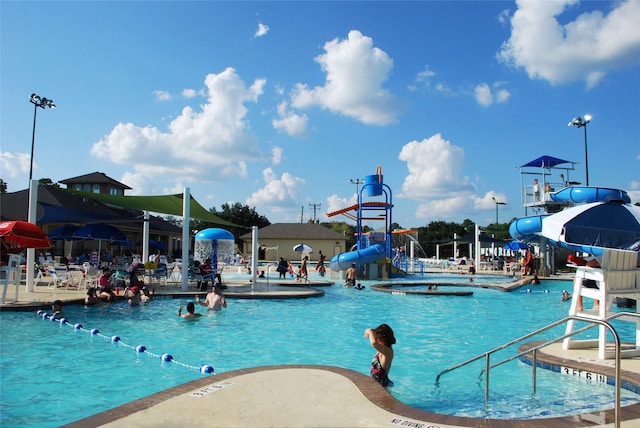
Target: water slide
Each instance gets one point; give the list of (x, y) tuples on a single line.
[(367, 255), (526, 227)]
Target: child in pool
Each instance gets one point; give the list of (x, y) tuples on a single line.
[(382, 339)]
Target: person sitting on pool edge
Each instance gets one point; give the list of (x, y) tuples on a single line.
[(92, 297), (105, 285), (382, 339), (191, 311)]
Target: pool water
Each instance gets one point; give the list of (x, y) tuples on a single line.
[(54, 374)]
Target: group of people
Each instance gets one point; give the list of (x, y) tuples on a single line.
[(135, 292)]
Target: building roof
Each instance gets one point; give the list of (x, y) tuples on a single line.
[(297, 231), (94, 178)]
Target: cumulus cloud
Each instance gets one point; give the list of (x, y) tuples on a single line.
[(262, 30), (192, 93), (276, 155), (355, 72), (434, 166), (634, 191), (485, 96), (335, 203), (14, 164), (586, 48), (198, 142), (278, 194), (162, 95), (290, 122)]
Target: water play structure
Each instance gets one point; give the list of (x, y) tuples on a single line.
[(372, 250)]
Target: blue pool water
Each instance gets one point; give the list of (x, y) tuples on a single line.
[(53, 374)]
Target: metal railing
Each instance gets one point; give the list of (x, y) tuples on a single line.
[(591, 323)]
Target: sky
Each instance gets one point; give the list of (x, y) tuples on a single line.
[(278, 105)]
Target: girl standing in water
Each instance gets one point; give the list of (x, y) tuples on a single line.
[(382, 339)]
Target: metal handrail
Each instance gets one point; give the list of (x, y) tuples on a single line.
[(592, 323)]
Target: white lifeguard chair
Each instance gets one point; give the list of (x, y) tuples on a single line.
[(11, 274), (617, 277)]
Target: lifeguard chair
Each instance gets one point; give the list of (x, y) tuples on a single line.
[(618, 276)]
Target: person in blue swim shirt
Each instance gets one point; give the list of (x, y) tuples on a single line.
[(382, 339)]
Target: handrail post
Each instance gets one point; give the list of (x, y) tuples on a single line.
[(486, 381), (535, 367)]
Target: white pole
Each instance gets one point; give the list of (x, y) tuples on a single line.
[(254, 254), (186, 237), (455, 246), (145, 237), (412, 251), (31, 217), (477, 242)]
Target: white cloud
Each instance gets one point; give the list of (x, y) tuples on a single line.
[(434, 166), (189, 93), (485, 96), (634, 191), (277, 194), (335, 203), (355, 71), (290, 122), (15, 164), (276, 155), (586, 48), (262, 30), (162, 95), (214, 138)]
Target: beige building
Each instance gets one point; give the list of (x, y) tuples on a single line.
[(277, 240)]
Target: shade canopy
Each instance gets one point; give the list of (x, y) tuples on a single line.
[(545, 162), (17, 235), (595, 225)]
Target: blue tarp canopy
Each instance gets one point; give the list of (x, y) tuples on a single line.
[(545, 162)]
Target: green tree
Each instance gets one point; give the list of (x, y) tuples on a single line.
[(440, 232), (48, 182), (3, 186)]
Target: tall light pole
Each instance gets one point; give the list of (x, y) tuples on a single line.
[(43, 103), (582, 123), (357, 182), (497, 203)]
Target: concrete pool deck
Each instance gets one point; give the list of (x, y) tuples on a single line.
[(309, 396)]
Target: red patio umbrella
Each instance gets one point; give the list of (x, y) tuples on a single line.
[(17, 235)]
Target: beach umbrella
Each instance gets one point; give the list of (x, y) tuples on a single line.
[(595, 225), (17, 235), (516, 245), (100, 231), (302, 248), (64, 233)]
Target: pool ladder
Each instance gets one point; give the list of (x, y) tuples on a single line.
[(591, 323)]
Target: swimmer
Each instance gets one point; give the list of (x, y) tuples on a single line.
[(382, 339), (57, 309), (191, 311), (215, 299), (565, 296), (359, 287)]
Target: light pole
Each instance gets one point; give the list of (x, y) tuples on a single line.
[(497, 203), (357, 182), (43, 103), (582, 123)]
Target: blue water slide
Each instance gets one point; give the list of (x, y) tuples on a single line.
[(584, 195), (367, 255), (527, 227)]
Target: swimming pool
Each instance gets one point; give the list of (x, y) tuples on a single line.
[(53, 374)]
